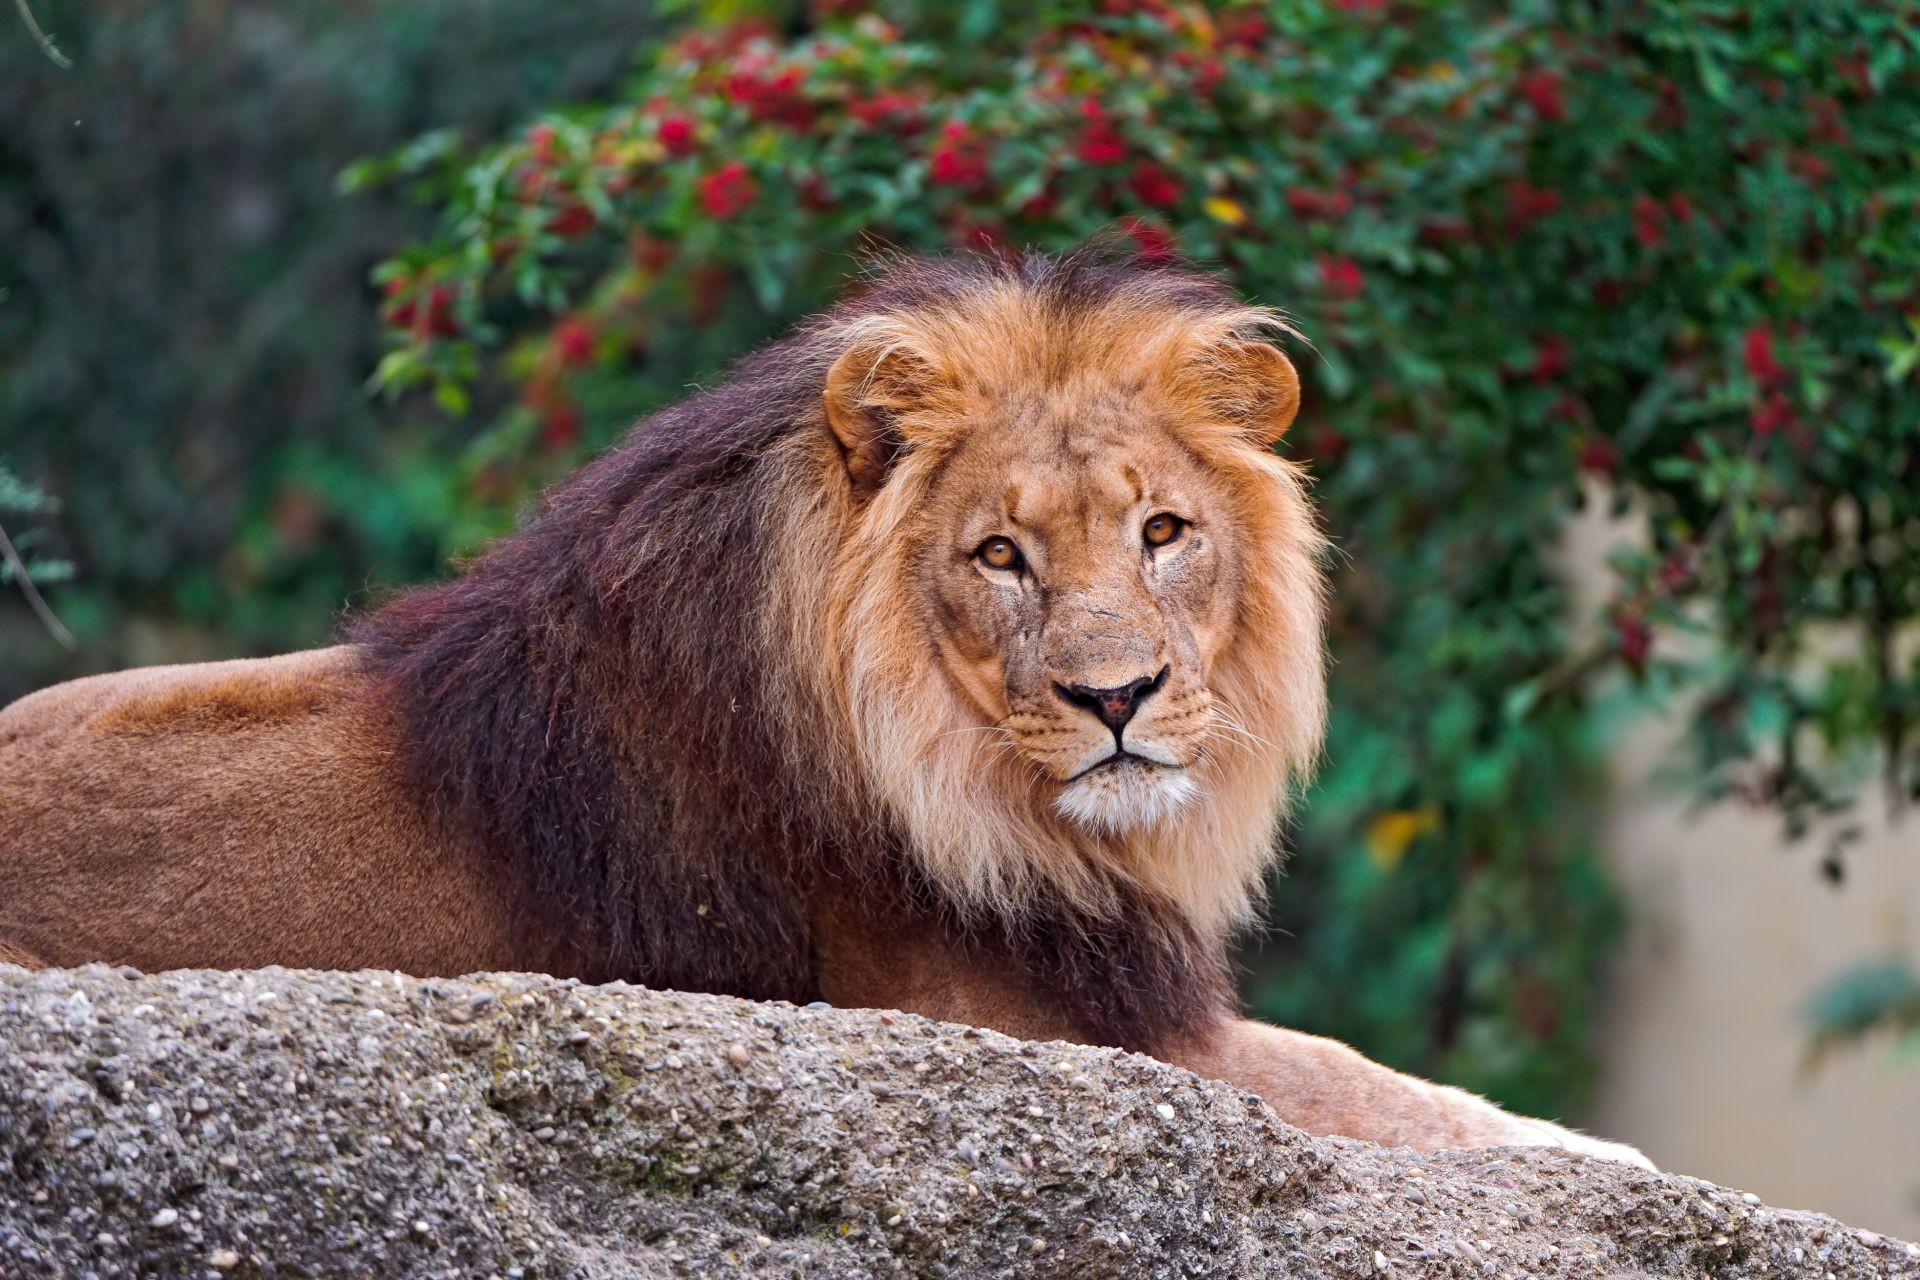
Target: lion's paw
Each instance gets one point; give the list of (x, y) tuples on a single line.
[(1544, 1133)]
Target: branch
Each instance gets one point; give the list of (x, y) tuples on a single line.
[(45, 41), (17, 569)]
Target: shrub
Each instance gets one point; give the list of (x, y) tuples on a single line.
[(1666, 252)]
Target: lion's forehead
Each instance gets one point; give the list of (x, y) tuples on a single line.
[(1078, 476)]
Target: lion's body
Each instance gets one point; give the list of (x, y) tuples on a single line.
[(233, 815), (748, 708)]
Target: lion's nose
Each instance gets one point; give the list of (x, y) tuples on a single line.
[(1115, 705)]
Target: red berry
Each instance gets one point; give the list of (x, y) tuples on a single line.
[(1244, 29), (1635, 639), (573, 220), (1153, 185), (1599, 457), (560, 424), (1762, 366), (573, 339), (1549, 358), (1527, 204), (958, 160), (1541, 89), (897, 111), (1100, 143), (676, 135), (1309, 202), (1649, 221), (1208, 76), (1814, 168), (728, 190), (1773, 414), (650, 253), (440, 321), (1155, 243), (1676, 574), (1342, 278), (540, 143), (428, 317), (1445, 230)]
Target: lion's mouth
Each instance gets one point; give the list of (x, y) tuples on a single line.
[(1120, 760)]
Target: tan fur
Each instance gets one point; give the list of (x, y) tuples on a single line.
[(245, 813), (231, 815)]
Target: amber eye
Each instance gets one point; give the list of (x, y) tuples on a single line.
[(999, 553), (1162, 529)]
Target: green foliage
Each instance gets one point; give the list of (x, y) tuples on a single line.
[(185, 322), (1877, 996), (1664, 250)]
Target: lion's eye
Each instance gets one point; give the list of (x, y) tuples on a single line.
[(1162, 529), (999, 553)]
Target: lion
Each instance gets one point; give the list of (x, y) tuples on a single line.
[(958, 655)]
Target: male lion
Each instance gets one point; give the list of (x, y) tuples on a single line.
[(955, 656)]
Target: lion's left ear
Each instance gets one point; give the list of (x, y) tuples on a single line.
[(1255, 386), (867, 390)]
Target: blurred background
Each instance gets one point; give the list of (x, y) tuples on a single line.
[(1615, 312)]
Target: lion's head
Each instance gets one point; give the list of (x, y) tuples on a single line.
[(1072, 606)]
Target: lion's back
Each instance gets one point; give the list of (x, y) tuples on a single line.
[(223, 814), (262, 690)]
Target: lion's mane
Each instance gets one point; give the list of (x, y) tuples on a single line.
[(687, 702)]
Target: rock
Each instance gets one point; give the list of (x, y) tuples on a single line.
[(410, 1147)]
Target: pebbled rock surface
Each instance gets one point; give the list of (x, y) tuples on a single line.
[(291, 1123)]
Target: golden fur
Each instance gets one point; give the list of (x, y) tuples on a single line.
[(749, 707)]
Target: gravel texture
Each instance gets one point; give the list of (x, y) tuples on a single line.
[(290, 1123)]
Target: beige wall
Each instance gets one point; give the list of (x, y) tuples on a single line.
[(1732, 930)]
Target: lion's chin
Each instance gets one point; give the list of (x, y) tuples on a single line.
[(1120, 797)]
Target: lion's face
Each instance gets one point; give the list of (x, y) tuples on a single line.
[(1071, 616), (1079, 571)]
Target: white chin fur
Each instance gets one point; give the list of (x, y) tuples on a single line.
[(1117, 799)]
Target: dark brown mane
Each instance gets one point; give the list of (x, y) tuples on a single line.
[(590, 700)]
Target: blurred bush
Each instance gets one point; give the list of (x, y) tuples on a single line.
[(1664, 252), (185, 320)]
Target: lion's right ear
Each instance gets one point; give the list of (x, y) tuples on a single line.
[(868, 388)]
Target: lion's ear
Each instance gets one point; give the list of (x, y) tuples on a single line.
[(867, 390), (1256, 387)]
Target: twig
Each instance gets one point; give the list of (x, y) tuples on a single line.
[(47, 46), (18, 570)]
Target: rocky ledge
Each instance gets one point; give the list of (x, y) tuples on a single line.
[(292, 1123)]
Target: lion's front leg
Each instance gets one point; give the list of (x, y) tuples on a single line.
[(1324, 1087)]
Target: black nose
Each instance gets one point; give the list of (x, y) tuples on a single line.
[(1114, 706)]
